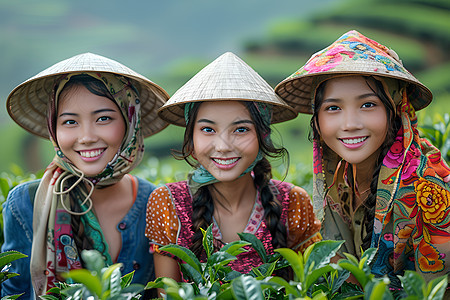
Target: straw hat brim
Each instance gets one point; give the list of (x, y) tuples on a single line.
[(27, 103), (227, 78), (298, 92), (351, 54), (174, 112)]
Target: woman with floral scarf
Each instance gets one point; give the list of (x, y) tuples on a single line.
[(376, 182), (96, 112)]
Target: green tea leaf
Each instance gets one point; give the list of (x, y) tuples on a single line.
[(357, 272), (316, 273), (437, 287), (378, 290), (208, 241), (247, 288), (114, 282), (184, 254), (219, 259), (93, 260), (235, 248), (229, 276), (322, 253), (108, 272), (256, 244), (9, 256), (413, 284), (126, 279), (192, 273), (85, 277), (295, 260), (13, 297), (281, 283)]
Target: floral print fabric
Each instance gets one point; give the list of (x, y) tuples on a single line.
[(414, 202), (412, 218)]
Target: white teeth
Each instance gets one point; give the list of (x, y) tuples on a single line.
[(89, 154), (225, 162), (354, 141)]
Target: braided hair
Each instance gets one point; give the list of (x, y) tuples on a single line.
[(78, 194), (203, 204), (394, 124)]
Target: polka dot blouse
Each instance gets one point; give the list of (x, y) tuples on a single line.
[(163, 224)]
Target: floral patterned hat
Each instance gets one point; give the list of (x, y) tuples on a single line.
[(27, 103), (352, 53)]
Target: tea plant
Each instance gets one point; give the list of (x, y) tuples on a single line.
[(5, 262), (214, 277), (437, 131), (314, 276), (97, 282)]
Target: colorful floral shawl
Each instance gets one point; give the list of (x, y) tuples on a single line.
[(54, 250), (412, 218)]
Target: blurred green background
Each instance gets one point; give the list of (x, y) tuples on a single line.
[(169, 41)]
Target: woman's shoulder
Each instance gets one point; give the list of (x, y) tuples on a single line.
[(23, 194), (173, 188), (301, 192), (287, 187), (18, 210), (172, 194), (144, 183)]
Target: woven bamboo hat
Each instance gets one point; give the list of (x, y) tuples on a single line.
[(226, 78), (27, 103), (352, 54)]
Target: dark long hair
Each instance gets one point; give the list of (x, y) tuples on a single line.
[(393, 126), (203, 204)]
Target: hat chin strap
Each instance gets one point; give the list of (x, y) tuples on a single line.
[(65, 176)]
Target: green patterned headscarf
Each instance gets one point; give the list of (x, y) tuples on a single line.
[(132, 149), (54, 249)]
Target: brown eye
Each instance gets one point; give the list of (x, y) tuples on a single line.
[(368, 105)]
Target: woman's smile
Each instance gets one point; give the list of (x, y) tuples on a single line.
[(352, 119), (90, 155), (354, 143), (89, 130), (225, 143), (225, 163)]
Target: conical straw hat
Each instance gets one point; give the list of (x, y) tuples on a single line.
[(226, 78), (352, 54), (27, 103)]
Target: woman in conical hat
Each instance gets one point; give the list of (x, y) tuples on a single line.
[(376, 182), (96, 112), (227, 109)]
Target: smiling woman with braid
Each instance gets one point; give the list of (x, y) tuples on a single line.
[(227, 109), (377, 183), (90, 107)]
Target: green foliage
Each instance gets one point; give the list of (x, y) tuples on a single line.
[(5, 260), (314, 276), (415, 286), (308, 267), (9, 181), (214, 278), (96, 282), (437, 131)]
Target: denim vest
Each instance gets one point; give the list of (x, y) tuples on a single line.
[(18, 234)]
